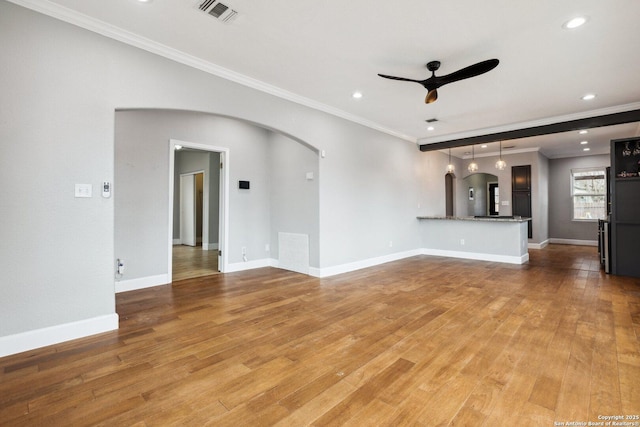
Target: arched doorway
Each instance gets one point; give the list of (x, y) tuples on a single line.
[(449, 193)]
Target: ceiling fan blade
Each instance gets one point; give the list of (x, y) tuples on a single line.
[(432, 96), (400, 78), (465, 73)]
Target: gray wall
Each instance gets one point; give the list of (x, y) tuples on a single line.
[(294, 198), (543, 198), (370, 195), (479, 183), (142, 165), (57, 250), (61, 86), (561, 225), (539, 193)]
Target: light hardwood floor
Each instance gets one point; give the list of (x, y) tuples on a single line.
[(191, 261), (422, 341)]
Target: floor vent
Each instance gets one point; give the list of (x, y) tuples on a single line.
[(218, 10)]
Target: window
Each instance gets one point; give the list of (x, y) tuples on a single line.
[(589, 194)]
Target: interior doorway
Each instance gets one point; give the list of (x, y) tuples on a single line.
[(449, 186), (494, 198), (198, 210), (191, 208)]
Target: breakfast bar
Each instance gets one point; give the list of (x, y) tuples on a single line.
[(487, 238)]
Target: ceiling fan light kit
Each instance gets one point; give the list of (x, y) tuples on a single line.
[(434, 82)]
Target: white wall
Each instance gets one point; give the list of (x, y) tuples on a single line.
[(61, 86)]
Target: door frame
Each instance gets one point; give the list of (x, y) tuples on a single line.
[(223, 228)]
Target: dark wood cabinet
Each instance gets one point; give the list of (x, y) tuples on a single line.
[(625, 206), (521, 193), (521, 178)]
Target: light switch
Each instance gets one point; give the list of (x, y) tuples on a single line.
[(505, 203), (84, 190), (309, 176)]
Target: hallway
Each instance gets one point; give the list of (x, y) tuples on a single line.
[(190, 262)]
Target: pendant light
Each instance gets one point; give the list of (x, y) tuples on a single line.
[(473, 166), (501, 164), (450, 167)]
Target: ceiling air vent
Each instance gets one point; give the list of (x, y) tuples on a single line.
[(218, 10)]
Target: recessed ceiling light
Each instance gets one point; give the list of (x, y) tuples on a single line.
[(574, 22), (483, 146), (430, 128), (588, 97), (356, 95), (584, 142), (583, 132), (586, 149)]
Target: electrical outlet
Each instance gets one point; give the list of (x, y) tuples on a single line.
[(390, 243), (462, 242), (244, 250), (267, 248)]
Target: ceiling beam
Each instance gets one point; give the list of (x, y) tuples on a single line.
[(571, 125)]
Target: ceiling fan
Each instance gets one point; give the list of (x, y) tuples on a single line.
[(434, 82)]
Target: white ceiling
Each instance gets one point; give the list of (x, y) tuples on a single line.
[(319, 52)]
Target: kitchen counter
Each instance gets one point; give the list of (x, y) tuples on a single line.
[(479, 218), (499, 239)]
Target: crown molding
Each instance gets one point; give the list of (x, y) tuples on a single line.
[(108, 30)]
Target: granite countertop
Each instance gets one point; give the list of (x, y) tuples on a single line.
[(515, 218)]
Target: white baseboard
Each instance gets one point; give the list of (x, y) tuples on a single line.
[(177, 241), (142, 282), (25, 341), (250, 265), (574, 242), (478, 256), (541, 245), (357, 265)]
